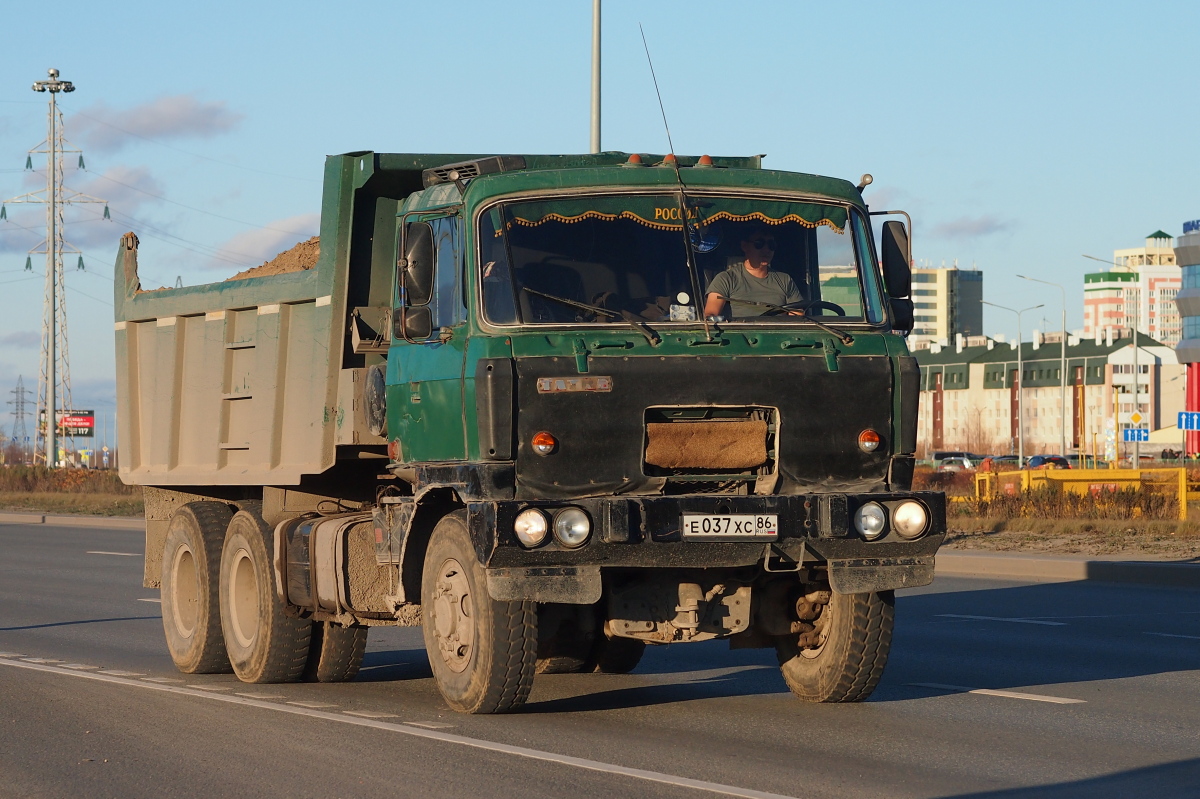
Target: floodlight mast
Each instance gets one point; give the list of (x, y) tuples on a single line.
[(54, 386)]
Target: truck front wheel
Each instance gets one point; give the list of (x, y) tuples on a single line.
[(847, 663), (264, 644), (482, 652), (190, 603)]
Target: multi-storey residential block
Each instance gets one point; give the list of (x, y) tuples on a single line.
[(947, 303), (1139, 289)]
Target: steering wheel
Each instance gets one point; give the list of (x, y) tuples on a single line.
[(806, 305)]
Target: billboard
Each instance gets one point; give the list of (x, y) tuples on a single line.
[(80, 424)]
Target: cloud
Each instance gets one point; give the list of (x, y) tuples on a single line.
[(22, 339), (175, 117), (257, 246), (971, 227)]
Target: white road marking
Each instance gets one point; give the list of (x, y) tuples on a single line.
[(366, 714), (312, 704), (262, 696), (122, 554), (1000, 618), (212, 687), (160, 679), (11, 655), (962, 689), (78, 666), (119, 673), (1175, 635), (409, 729), (430, 725), (149, 599), (41, 660)]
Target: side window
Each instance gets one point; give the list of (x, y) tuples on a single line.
[(447, 305)]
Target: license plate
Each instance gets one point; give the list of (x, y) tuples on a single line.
[(730, 526)]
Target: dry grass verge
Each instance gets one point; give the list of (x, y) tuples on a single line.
[(84, 491), (1161, 539), (91, 504)]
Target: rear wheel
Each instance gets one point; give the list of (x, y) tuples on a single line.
[(616, 655), (191, 610), (566, 638), (482, 652), (853, 637), (335, 653), (264, 644)]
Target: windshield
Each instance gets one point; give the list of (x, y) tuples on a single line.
[(568, 260)]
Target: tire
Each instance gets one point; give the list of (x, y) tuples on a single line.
[(616, 655), (335, 653), (191, 607), (482, 652), (849, 663), (265, 645)]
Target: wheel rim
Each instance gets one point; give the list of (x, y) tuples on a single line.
[(243, 598), (454, 616), (822, 624), (185, 592)]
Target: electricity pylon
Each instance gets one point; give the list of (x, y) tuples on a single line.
[(20, 433), (54, 387)]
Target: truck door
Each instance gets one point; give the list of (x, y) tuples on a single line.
[(425, 362)]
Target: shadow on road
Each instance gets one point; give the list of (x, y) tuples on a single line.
[(394, 665), (1179, 780), (79, 621)]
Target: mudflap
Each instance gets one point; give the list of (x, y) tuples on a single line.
[(571, 585), (868, 575)]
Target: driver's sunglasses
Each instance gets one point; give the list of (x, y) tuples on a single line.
[(763, 244)]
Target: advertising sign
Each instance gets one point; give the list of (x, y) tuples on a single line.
[(80, 424)]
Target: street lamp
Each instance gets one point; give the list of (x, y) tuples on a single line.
[(1062, 399), (1020, 378)]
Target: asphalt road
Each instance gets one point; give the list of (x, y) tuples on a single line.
[(1088, 690)]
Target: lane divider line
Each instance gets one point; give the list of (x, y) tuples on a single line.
[(120, 673), (999, 618), (79, 666), (963, 689), (212, 687), (1176, 635), (367, 714), (430, 725), (41, 660), (313, 705), (160, 679), (261, 696), (149, 599), (11, 655), (417, 732), (120, 554)]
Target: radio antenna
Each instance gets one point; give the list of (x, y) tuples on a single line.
[(693, 270)]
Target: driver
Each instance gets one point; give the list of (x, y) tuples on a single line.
[(751, 280)]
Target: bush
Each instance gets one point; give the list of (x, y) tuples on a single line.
[(959, 484), (1052, 503), (39, 479)]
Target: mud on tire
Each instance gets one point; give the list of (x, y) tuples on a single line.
[(191, 609), (849, 664), (482, 652), (264, 644)]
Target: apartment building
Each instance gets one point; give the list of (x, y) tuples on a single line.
[(947, 302), (1140, 289)]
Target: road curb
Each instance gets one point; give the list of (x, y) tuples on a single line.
[(60, 520), (1067, 568)]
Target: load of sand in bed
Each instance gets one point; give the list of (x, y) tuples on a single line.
[(299, 258)]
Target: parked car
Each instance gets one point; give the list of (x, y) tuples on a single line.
[(958, 464), (1048, 462)]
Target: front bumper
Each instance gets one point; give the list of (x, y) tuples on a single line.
[(645, 533)]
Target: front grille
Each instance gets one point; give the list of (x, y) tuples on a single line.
[(709, 449)]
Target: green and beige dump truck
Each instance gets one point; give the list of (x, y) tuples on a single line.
[(496, 407)]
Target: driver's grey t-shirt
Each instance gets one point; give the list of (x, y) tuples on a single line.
[(736, 283)]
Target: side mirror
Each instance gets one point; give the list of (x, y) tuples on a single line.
[(416, 270), (413, 324), (902, 315), (897, 272)]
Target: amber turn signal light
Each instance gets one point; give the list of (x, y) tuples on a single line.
[(868, 441), (543, 443)]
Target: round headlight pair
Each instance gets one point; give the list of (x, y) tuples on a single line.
[(909, 520), (571, 527)]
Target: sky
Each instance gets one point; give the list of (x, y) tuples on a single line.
[(1020, 136)]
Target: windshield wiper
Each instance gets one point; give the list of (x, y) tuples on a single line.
[(843, 336), (624, 316)]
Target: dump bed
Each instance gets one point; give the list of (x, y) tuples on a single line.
[(254, 381)]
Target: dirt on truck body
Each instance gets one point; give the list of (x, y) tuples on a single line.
[(493, 399)]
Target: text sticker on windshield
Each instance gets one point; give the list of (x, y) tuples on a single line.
[(562, 385)]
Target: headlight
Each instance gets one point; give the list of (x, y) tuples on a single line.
[(871, 520), (531, 527), (572, 527), (909, 518)]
